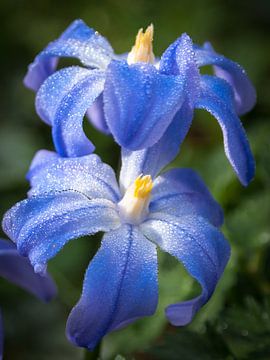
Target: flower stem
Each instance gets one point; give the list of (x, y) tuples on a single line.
[(93, 355)]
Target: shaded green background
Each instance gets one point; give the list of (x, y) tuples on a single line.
[(235, 324)]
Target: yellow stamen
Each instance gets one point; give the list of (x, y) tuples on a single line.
[(134, 206), (142, 51), (143, 186)]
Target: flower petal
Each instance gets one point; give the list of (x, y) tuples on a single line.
[(182, 192), (120, 286), (179, 60), (63, 100), (216, 97), (78, 41), (152, 160), (42, 225), (140, 103), (233, 73), (19, 271), (96, 115), (40, 158), (56, 88), (199, 246), (87, 175), (68, 134)]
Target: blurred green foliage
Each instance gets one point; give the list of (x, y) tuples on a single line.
[(235, 323)]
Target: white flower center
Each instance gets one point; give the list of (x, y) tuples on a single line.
[(133, 207)]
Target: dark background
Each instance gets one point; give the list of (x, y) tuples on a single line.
[(235, 323)]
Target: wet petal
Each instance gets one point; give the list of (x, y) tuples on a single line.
[(56, 88), (78, 41), (120, 286), (96, 115), (152, 160), (42, 225), (233, 73), (181, 192), (179, 60), (63, 100), (140, 103), (200, 247), (217, 98), (87, 174)]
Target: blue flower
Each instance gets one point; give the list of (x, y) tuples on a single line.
[(136, 98), (19, 271), (73, 197)]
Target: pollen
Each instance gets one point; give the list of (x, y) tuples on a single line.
[(142, 51), (143, 186), (134, 206)]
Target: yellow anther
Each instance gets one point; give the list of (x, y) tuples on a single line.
[(142, 51), (143, 186), (134, 206)]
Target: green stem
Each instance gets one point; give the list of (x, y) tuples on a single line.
[(93, 355)]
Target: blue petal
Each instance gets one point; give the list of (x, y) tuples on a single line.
[(200, 247), (179, 59), (68, 134), (63, 100), (216, 97), (233, 73), (96, 115), (140, 103), (78, 41), (181, 180), (42, 225), (120, 286), (182, 192), (152, 160), (87, 175), (56, 88), (40, 158), (19, 271)]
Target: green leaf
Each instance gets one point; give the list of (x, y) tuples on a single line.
[(188, 345), (246, 329)]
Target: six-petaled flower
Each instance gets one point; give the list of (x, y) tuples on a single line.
[(72, 197), (136, 98)]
